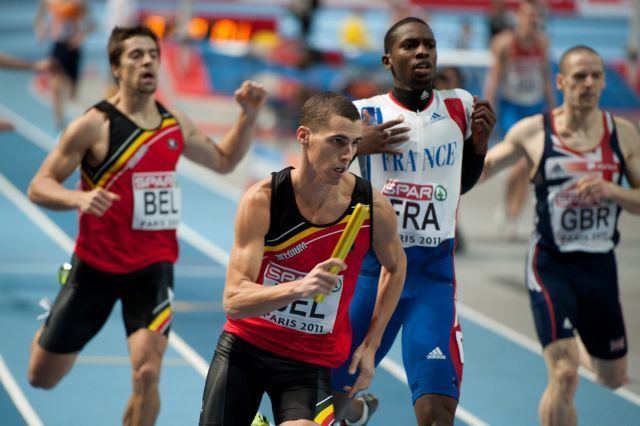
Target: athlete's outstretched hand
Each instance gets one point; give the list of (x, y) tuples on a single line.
[(97, 201), (363, 359), (321, 280), (482, 121), (251, 96), (380, 138), (593, 189)]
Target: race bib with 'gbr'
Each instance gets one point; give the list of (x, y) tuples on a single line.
[(304, 315), (156, 201)]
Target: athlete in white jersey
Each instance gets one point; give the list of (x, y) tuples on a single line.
[(422, 167), (577, 156)]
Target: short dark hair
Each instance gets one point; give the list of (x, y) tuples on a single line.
[(576, 49), (120, 34), (318, 109), (390, 36)]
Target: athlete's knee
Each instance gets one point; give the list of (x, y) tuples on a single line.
[(432, 413), (565, 377), (40, 377), (146, 375)]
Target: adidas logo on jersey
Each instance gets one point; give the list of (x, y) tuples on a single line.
[(436, 354), (436, 117)]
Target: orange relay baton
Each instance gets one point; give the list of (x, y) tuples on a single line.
[(347, 238)]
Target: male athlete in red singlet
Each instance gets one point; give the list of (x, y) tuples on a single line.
[(519, 85), (127, 148), (577, 157), (278, 339)]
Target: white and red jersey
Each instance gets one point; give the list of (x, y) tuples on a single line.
[(523, 78), (422, 181), (140, 228)]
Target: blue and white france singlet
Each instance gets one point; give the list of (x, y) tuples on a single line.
[(422, 181)]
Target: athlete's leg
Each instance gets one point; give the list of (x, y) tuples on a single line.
[(147, 312), (360, 312), (60, 86), (610, 373), (146, 349), (435, 410), (556, 405), (78, 313), (516, 189), (600, 321), (46, 368)]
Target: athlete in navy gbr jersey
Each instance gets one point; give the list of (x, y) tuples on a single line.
[(427, 147), (577, 156)]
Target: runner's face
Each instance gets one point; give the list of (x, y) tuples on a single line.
[(528, 18), (412, 57), (581, 80), (139, 63), (331, 148)]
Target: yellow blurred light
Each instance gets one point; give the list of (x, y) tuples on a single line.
[(198, 28)]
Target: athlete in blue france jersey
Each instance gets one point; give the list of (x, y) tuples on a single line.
[(577, 157), (422, 166)]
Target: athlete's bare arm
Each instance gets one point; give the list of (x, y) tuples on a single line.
[(7, 61), (525, 138), (595, 188), (223, 156), (81, 139), (550, 94), (390, 253), (243, 297), (496, 70)]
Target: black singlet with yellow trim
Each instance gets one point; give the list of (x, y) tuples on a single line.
[(305, 330)]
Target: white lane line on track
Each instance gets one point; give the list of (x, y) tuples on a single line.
[(15, 393)]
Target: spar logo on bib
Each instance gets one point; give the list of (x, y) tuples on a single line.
[(409, 191)]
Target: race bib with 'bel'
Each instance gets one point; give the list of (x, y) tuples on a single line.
[(156, 201), (305, 315)]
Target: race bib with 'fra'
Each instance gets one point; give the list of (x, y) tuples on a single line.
[(156, 201)]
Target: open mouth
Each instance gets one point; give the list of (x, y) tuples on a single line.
[(340, 169), (148, 76), (422, 68)]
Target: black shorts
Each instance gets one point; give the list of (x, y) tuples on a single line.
[(68, 59), (85, 302), (241, 372), (577, 291)]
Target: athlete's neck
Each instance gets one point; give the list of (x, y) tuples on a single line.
[(318, 200), (414, 100), (572, 120), (141, 108)]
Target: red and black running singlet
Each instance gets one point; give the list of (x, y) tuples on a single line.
[(140, 228), (307, 331)]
